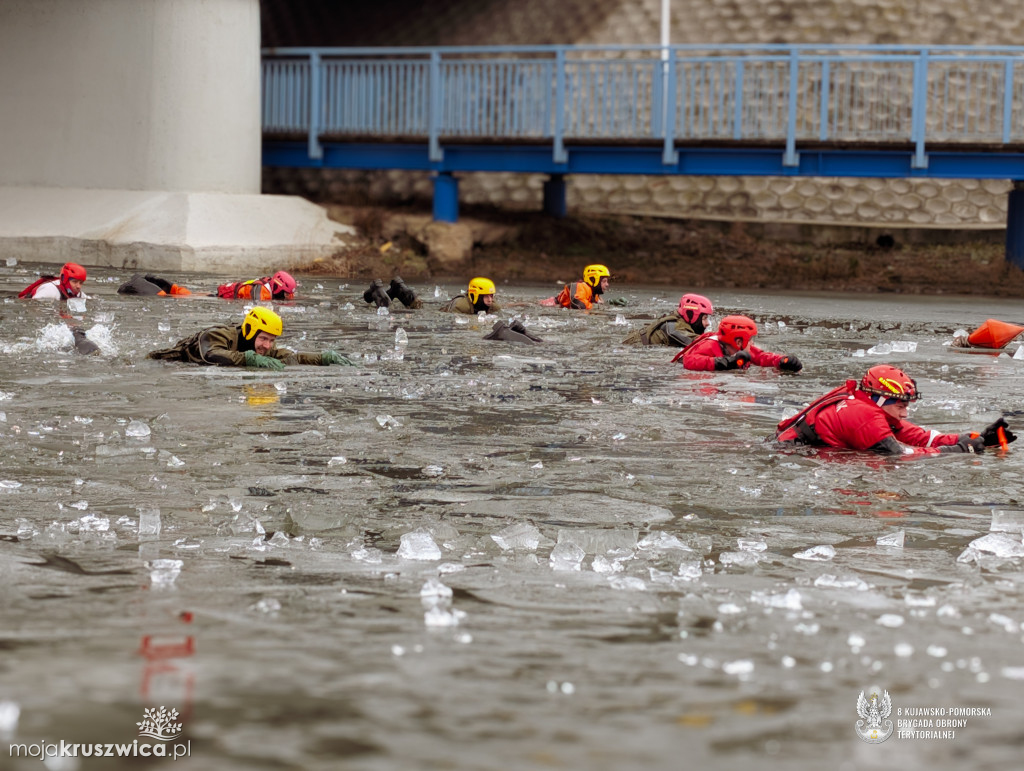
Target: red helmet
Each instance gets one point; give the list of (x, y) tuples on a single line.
[(693, 306), (889, 382), (282, 282), (736, 331), (71, 270)]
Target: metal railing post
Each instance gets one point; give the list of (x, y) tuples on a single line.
[(919, 111), (435, 153), (826, 76), (1007, 101), (559, 155), (791, 157), (316, 151), (737, 116), (669, 156)]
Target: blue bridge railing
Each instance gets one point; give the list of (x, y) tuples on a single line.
[(783, 96)]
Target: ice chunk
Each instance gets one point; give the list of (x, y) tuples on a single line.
[(268, 605), (822, 553), (1007, 521), (382, 311), (1013, 673), (163, 326), (566, 556), (388, 422), (279, 539), (433, 471), (520, 535), (602, 564), (337, 460), (998, 544), (9, 713), (903, 346), (371, 555), (829, 581), (163, 573), (690, 570), (11, 262), (93, 524), (628, 583), (76, 305), (739, 559), (1019, 353), (450, 567), (661, 542), (741, 667), (904, 650), (791, 600), (620, 321), (894, 540), (9, 484), (891, 620), (433, 592), (401, 339), (138, 429), (882, 349), (439, 618), (418, 545), (746, 544)]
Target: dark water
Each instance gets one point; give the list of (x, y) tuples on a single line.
[(472, 555)]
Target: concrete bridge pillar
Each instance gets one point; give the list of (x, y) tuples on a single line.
[(1015, 225), (130, 136), (554, 196)]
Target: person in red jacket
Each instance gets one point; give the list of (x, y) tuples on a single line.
[(729, 347), (873, 416)]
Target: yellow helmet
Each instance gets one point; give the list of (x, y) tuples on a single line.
[(261, 320), (593, 274), (479, 286)]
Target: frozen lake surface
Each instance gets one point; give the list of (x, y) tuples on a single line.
[(468, 554)]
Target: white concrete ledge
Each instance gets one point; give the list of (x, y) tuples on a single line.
[(150, 230)]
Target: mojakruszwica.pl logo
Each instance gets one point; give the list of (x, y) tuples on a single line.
[(929, 723), (157, 723)]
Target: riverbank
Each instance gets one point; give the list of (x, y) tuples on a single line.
[(528, 246)]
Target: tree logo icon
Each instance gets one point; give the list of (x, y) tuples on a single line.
[(159, 724)]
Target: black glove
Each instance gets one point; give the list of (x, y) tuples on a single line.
[(790, 364), (991, 433), (376, 294), (736, 361), (966, 444)]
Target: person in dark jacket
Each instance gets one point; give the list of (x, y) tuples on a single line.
[(677, 329), (873, 416), (250, 344)]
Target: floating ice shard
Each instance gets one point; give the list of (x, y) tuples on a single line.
[(268, 605), (439, 618), (997, 544), (163, 572), (418, 545), (822, 553), (9, 713), (903, 346), (739, 559), (138, 429), (791, 600), (628, 583), (740, 668), (882, 349), (602, 564), (829, 581), (662, 542), (891, 620), (893, 540), (520, 535), (433, 592), (401, 339), (566, 556), (747, 544), (388, 422), (370, 556)]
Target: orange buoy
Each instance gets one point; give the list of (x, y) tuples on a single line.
[(994, 334)]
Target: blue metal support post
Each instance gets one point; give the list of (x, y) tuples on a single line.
[(554, 196), (1015, 225), (446, 197)]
